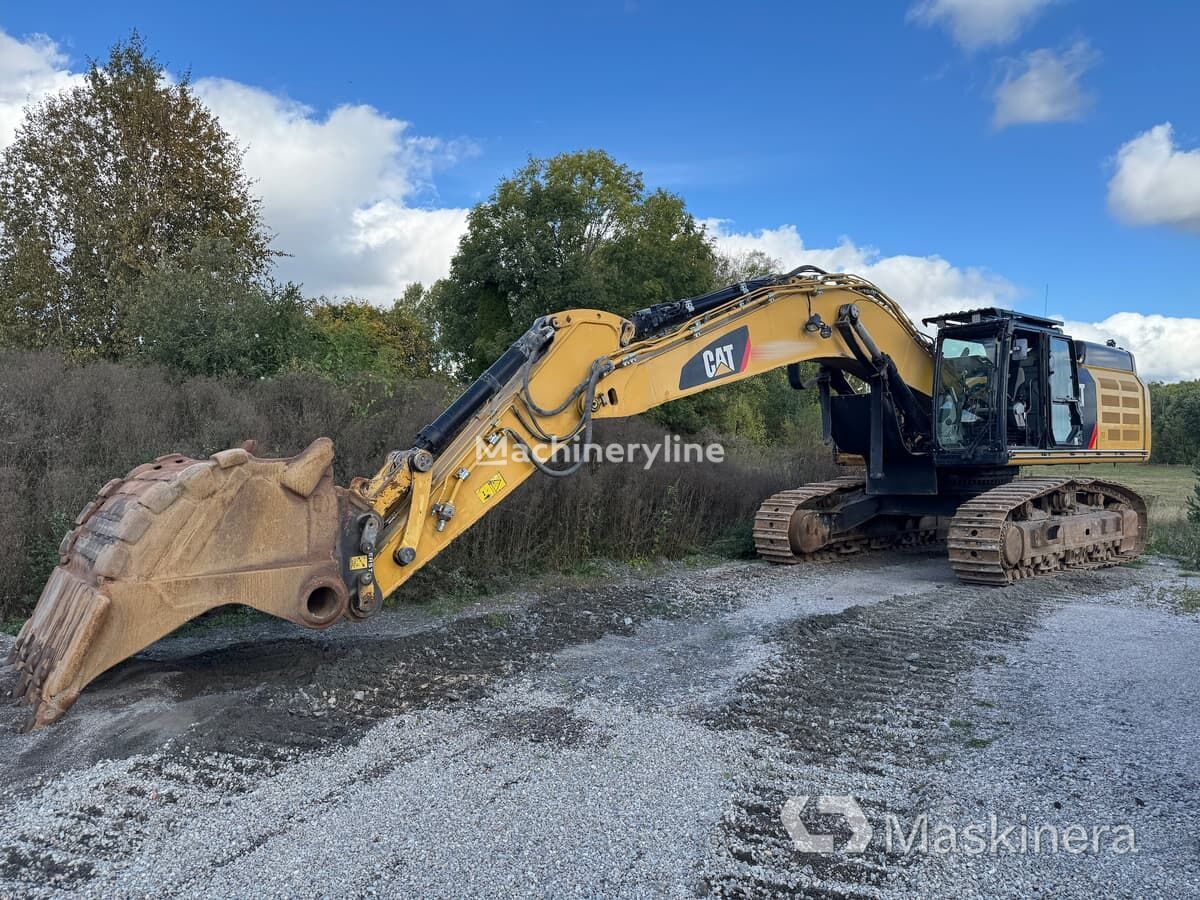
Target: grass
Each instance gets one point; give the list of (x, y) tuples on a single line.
[(1180, 541), (1188, 600), (965, 730), (497, 620)]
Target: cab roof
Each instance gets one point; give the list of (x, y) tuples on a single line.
[(992, 313)]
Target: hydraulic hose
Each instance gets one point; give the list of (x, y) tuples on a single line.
[(599, 368)]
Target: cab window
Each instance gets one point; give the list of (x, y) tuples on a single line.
[(964, 403), (1065, 423)]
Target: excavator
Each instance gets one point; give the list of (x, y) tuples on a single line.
[(936, 433)]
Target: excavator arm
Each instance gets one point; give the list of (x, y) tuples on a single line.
[(180, 536), (581, 365)]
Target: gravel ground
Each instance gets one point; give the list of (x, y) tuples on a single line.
[(637, 736)]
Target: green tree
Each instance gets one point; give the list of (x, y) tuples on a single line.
[(731, 268), (1175, 412), (354, 337), (577, 230), (201, 313), (1194, 500), (103, 183)]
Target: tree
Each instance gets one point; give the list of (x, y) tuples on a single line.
[(353, 337), (103, 183), (577, 230), (1194, 500), (731, 268), (581, 230), (201, 313), (1175, 412)]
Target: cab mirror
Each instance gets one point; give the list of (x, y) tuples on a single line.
[(1020, 349)]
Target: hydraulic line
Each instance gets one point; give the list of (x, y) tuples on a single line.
[(599, 368)]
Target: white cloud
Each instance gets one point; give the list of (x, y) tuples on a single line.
[(978, 23), (339, 188), (1156, 183), (924, 285), (927, 285), (1164, 346), (28, 71), (339, 191), (1043, 86)]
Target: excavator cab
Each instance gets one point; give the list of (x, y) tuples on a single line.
[(1004, 382)]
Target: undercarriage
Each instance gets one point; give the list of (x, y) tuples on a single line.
[(1024, 528)]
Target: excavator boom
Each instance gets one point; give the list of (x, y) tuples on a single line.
[(180, 536)]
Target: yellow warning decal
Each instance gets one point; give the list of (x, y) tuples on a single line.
[(490, 488), (357, 562)]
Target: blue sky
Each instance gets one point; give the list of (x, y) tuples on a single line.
[(986, 135)]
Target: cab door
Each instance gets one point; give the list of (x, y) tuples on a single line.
[(1066, 427)]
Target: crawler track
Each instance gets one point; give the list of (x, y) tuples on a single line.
[(986, 547), (774, 524)]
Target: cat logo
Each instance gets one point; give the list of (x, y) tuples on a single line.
[(718, 361), (727, 355)]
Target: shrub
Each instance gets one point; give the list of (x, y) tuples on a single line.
[(202, 314), (65, 430), (1194, 500)]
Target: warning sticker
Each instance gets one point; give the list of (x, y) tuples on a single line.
[(358, 562), (490, 488)]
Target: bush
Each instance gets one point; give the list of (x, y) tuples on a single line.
[(201, 314), (65, 430), (1179, 540), (352, 337), (1194, 500)]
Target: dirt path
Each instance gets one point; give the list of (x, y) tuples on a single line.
[(639, 738)]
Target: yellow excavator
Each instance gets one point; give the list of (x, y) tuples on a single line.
[(937, 429)]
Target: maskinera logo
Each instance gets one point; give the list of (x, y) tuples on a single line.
[(839, 805), (926, 835)]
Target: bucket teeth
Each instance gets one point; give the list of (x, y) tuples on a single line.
[(51, 648), (170, 541)]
